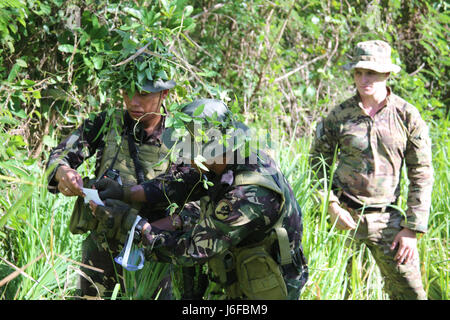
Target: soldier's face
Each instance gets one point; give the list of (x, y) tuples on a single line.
[(369, 82), (142, 105)]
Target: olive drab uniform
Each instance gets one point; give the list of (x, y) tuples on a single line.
[(98, 248), (248, 233)]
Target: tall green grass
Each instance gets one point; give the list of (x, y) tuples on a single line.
[(325, 246), (36, 236), (39, 256)]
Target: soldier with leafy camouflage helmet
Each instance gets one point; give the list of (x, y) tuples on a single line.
[(127, 144), (249, 230), (372, 135)]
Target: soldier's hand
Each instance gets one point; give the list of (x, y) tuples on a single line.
[(407, 246), (111, 214), (69, 180), (342, 216), (109, 189)]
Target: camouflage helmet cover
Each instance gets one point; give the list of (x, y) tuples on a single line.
[(212, 133)]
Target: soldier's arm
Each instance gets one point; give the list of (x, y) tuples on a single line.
[(74, 149), (242, 212), (322, 154), (418, 161), (181, 184)]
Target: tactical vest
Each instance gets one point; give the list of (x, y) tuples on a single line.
[(251, 271), (153, 160)]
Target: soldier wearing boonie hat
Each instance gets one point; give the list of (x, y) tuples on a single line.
[(373, 55), (376, 132)]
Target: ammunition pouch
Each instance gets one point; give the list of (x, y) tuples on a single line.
[(259, 276), (251, 272)]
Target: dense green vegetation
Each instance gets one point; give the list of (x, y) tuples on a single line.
[(277, 64)]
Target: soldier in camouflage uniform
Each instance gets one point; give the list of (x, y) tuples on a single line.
[(373, 133), (249, 230), (127, 145)]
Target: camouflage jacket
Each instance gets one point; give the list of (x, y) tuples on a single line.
[(371, 153), (88, 140), (242, 214)]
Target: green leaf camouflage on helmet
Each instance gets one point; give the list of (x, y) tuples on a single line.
[(139, 66), (205, 129)]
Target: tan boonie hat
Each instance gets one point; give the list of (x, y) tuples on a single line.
[(373, 55)]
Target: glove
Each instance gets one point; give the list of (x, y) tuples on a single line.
[(115, 218), (111, 189)]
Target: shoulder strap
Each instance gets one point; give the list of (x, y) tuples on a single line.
[(256, 178), (134, 155), (118, 119)]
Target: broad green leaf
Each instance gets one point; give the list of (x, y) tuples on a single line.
[(49, 141), (13, 73), (184, 117), (21, 63), (199, 160), (98, 62), (199, 110), (66, 48)]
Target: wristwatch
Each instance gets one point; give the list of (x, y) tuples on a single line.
[(138, 229)]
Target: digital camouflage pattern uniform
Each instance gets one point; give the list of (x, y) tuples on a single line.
[(233, 215), (370, 156), (89, 140)]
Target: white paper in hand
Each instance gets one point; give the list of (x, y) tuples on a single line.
[(92, 194)]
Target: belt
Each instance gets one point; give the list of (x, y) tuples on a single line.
[(357, 206)]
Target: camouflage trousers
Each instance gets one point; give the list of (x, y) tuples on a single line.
[(295, 278), (377, 231), (100, 280)]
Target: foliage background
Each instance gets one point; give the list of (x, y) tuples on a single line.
[(277, 64)]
